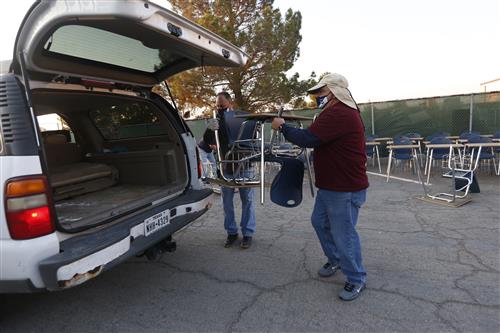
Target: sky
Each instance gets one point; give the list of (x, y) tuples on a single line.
[(387, 49), (395, 49)]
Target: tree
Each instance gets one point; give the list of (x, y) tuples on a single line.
[(271, 42)]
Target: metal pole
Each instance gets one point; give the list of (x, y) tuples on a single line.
[(219, 154), (470, 112), (262, 163), (373, 120)]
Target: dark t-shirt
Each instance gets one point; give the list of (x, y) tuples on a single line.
[(340, 160), (209, 135), (204, 146), (229, 127)]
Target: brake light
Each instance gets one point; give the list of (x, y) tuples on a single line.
[(200, 166), (30, 223), (98, 84), (27, 205)]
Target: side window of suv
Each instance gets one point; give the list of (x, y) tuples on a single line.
[(124, 121), (52, 125)]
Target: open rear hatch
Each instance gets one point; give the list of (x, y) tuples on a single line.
[(129, 41)]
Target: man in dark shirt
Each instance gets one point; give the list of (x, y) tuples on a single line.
[(337, 136), (247, 225)]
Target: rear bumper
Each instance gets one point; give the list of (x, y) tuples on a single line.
[(84, 257)]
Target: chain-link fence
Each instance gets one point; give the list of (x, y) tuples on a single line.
[(453, 114)]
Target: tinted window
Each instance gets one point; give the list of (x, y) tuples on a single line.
[(53, 125), (107, 47), (129, 120)]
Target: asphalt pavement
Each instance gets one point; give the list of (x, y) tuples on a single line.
[(430, 269)]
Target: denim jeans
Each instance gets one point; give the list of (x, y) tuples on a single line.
[(247, 211), (334, 219), (207, 158)]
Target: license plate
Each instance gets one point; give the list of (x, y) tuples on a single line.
[(156, 222)]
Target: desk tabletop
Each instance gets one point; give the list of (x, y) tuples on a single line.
[(484, 136), (414, 140), (402, 146), (383, 139), (266, 116), (483, 144), (427, 143), (444, 145), (372, 143)]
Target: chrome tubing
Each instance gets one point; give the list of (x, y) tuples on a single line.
[(309, 172), (308, 163), (274, 133), (220, 158)]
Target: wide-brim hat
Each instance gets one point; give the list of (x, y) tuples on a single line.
[(338, 85)]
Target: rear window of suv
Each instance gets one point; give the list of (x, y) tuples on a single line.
[(125, 121), (108, 48)]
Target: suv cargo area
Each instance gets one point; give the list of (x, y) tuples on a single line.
[(114, 155)]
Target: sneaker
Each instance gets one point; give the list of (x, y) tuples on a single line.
[(230, 240), (328, 270), (351, 291), (246, 242)]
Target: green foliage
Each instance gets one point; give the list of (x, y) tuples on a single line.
[(271, 41)]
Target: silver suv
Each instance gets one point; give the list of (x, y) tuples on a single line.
[(119, 174)]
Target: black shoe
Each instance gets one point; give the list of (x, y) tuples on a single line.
[(351, 291), (246, 242), (230, 240), (328, 270)]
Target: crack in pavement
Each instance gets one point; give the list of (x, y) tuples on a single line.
[(439, 305), (280, 288), (429, 229)]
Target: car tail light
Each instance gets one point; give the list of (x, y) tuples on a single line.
[(27, 205), (200, 166), (23, 187)]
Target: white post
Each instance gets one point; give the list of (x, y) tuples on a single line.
[(470, 112), (373, 121)]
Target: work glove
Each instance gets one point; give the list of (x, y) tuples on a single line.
[(213, 124)]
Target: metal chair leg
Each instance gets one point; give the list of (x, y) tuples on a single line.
[(430, 166), (426, 161), (389, 166), (378, 159)]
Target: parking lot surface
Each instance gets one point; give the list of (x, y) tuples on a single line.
[(430, 268)]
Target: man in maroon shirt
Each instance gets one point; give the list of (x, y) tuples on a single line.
[(337, 136)]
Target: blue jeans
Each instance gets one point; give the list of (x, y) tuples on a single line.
[(205, 159), (334, 219), (247, 211)]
